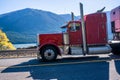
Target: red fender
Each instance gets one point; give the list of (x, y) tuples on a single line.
[(50, 44)]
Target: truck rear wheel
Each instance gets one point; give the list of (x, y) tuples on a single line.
[(49, 53), (115, 48)]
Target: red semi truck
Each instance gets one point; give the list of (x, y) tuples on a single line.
[(85, 36)]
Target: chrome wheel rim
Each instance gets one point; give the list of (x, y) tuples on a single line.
[(49, 54)]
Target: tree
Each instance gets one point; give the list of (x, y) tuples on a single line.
[(5, 44)]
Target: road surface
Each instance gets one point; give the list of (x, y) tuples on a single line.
[(66, 68)]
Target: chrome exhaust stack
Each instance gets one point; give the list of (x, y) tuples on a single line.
[(85, 48)]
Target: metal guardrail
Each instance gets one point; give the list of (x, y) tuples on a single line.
[(18, 53)]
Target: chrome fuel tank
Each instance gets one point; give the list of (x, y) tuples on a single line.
[(92, 50)]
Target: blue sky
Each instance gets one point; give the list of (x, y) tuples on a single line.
[(58, 6)]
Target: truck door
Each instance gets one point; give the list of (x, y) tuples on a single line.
[(75, 34)]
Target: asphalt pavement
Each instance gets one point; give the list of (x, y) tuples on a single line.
[(103, 67)]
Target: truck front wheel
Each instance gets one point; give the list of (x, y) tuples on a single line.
[(49, 53)]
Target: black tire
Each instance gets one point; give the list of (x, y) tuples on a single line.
[(49, 53), (115, 48), (69, 51)]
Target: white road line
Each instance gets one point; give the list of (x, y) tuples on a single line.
[(53, 79), (113, 75)]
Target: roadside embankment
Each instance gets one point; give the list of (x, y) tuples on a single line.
[(18, 53)]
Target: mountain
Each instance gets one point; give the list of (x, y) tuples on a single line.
[(22, 26), (67, 17), (30, 20)]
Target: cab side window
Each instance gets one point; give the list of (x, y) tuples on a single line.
[(74, 27)]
